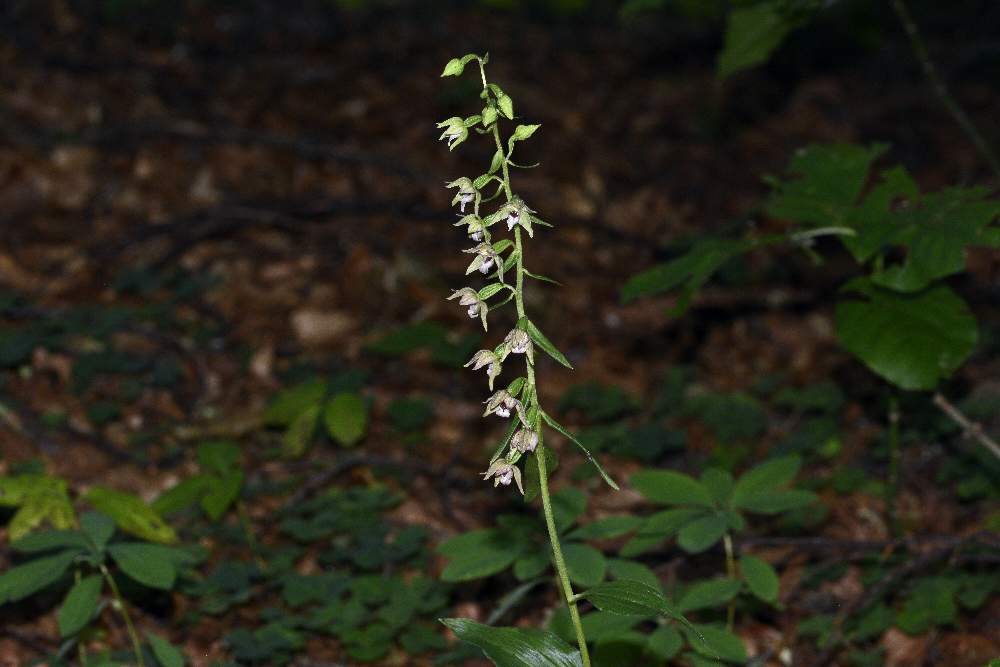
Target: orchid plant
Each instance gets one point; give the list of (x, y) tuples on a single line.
[(502, 260)]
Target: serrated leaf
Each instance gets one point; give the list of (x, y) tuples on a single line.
[(671, 488), (689, 271), (708, 594), (131, 514), (761, 578), (558, 427), (346, 418), (79, 605), (827, 183), (25, 580), (516, 647), (912, 340), (752, 34)]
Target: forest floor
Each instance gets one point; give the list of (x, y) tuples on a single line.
[(192, 223)]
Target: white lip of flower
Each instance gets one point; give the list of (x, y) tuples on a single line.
[(485, 258), (455, 131), (489, 359), (501, 403), (518, 341), (477, 307), (504, 473), (515, 212), (525, 440), (513, 218)]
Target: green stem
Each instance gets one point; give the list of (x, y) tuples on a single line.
[(543, 475), (123, 610), (727, 541), (940, 88)]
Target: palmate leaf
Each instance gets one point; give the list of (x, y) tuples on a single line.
[(912, 340), (559, 427), (516, 647)]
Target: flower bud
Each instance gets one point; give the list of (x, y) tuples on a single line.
[(525, 440)]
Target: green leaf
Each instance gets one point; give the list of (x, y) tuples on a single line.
[(708, 594), (41, 498), (454, 67), (346, 418), (776, 502), (522, 132), (516, 647), (49, 540), (222, 493), (543, 342), (936, 230), (664, 642), (25, 580), (767, 476), (912, 340), (478, 554), (659, 527), (98, 528), (631, 598), (700, 534), (531, 565), (79, 606), (752, 34), (131, 514), (299, 434), (761, 578), (671, 488), (586, 565), (153, 565), (531, 484), (619, 568), (182, 495), (292, 402), (714, 642), (506, 105), (219, 456), (930, 603), (166, 653), (567, 506), (607, 528), (557, 426), (829, 183), (690, 271)]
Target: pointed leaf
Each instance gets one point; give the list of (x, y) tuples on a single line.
[(752, 33), (516, 647), (761, 578), (131, 514), (79, 606), (631, 598), (557, 426), (543, 342), (166, 653), (346, 418), (672, 488), (25, 580)]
